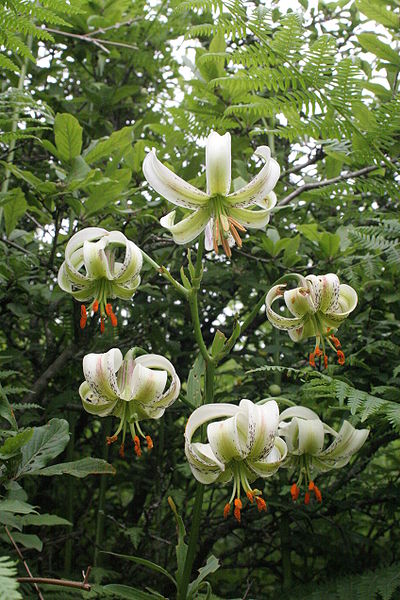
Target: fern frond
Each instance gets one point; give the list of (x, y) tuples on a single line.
[(9, 586)]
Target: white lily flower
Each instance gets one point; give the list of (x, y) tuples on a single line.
[(100, 265), (221, 214), (304, 434), (243, 446), (132, 389), (320, 304)]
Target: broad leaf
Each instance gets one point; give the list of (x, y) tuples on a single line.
[(46, 443), (13, 444), (78, 468), (68, 136), (145, 563)]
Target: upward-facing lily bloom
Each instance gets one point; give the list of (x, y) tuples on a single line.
[(100, 265), (307, 455), (243, 446), (132, 389), (222, 215), (319, 305)]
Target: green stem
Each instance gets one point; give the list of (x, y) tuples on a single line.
[(102, 500), (194, 311), (166, 274)]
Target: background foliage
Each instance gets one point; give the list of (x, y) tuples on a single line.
[(87, 88)]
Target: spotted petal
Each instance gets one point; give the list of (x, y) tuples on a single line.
[(261, 185), (257, 426), (278, 320), (94, 404), (348, 441), (189, 228), (203, 463), (100, 373), (347, 302), (271, 463), (170, 186)]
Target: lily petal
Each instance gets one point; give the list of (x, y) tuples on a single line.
[(347, 302), (100, 373), (146, 385), (253, 219), (189, 228), (225, 440), (95, 259), (278, 320), (93, 404), (218, 163), (257, 426), (133, 260), (261, 185), (206, 413), (305, 436), (155, 361), (170, 186), (299, 302), (271, 463), (203, 463), (348, 441)]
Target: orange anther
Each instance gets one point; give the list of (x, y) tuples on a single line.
[(250, 496), (335, 341), (340, 357), (311, 486), (227, 510), (83, 311), (295, 491), (312, 359), (137, 448), (111, 439), (82, 322), (109, 309), (102, 327), (306, 498), (113, 320), (325, 361), (95, 306), (149, 442), (318, 351), (122, 450), (261, 504), (238, 507), (318, 494)]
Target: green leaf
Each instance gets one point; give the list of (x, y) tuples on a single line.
[(45, 520), (28, 540), (44, 187), (78, 468), (130, 593), (16, 506), (119, 140), (310, 231), (68, 136), (46, 443), (378, 12), (193, 393), (211, 566), (13, 444), (145, 563), (6, 411), (14, 207), (329, 244), (181, 547), (371, 43), (8, 583)]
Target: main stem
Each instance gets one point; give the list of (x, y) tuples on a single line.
[(207, 399)]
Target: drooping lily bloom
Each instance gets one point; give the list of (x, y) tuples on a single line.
[(243, 446), (100, 265), (308, 455), (132, 389), (222, 215), (319, 305)]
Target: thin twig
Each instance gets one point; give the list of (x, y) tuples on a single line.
[(29, 579), (115, 26), (80, 585), (97, 41), (326, 182)]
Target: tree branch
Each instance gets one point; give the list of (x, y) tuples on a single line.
[(326, 182), (55, 366), (80, 585), (29, 579)]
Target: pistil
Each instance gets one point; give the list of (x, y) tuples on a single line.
[(225, 228)]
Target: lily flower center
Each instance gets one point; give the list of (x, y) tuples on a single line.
[(240, 481), (225, 227), (100, 305), (323, 337), (310, 485), (135, 429)]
